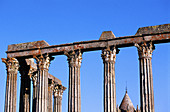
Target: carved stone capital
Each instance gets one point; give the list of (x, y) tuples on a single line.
[(34, 79), (31, 72), (43, 62), (12, 65), (74, 58), (32, 67), (109, 54), (58, 90), (145, 49)]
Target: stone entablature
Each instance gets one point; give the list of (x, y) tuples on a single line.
[(160, 34)]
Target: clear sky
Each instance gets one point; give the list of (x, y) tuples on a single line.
[(67, 21)]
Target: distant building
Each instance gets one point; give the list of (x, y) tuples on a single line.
[(126, 105)]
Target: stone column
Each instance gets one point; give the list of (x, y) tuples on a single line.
[(74, 100), (146, 80), (50, 96), (58, 92), (25, 89), (109, 57), (12, 66), (34, 80), (43, 63), (26, 70)]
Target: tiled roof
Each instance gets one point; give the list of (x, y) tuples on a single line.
[(126, 104)]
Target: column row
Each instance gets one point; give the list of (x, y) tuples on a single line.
[(109, 55), (41, 102), (42, 93)]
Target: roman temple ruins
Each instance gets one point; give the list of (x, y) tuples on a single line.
[(33, 59)]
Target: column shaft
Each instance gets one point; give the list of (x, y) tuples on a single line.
[(50, 98), (43, 63), (25, 94), (58, 92), (109, 56), (11, 84), (57, 104), (74, 100), (146, 81), (34, 79), (25, 88)]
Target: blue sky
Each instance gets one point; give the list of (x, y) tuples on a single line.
[(67, 21)]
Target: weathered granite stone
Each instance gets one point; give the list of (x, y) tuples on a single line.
[(145, 34), (58, 93), (107, 35), (74, 60), (109, 57), (43, 63), (153, 29), (28, 45), (146, 79), (12, 66)]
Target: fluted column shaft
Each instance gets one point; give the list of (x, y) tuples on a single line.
[(74, 100), (109, 57), (50, 97), (43, 63), (12, 66), (146, 80), (34, 80), (58, 93)]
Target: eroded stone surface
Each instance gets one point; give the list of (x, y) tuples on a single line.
[(28, 45), (109, 57), (153, 29), (145, 51), (86, 46), (107, 35)]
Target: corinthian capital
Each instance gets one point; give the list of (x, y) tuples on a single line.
[(58, 90), (74, 57), (145, 49), (109, 54), (34, 79), (43, 62), (12, 64)]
